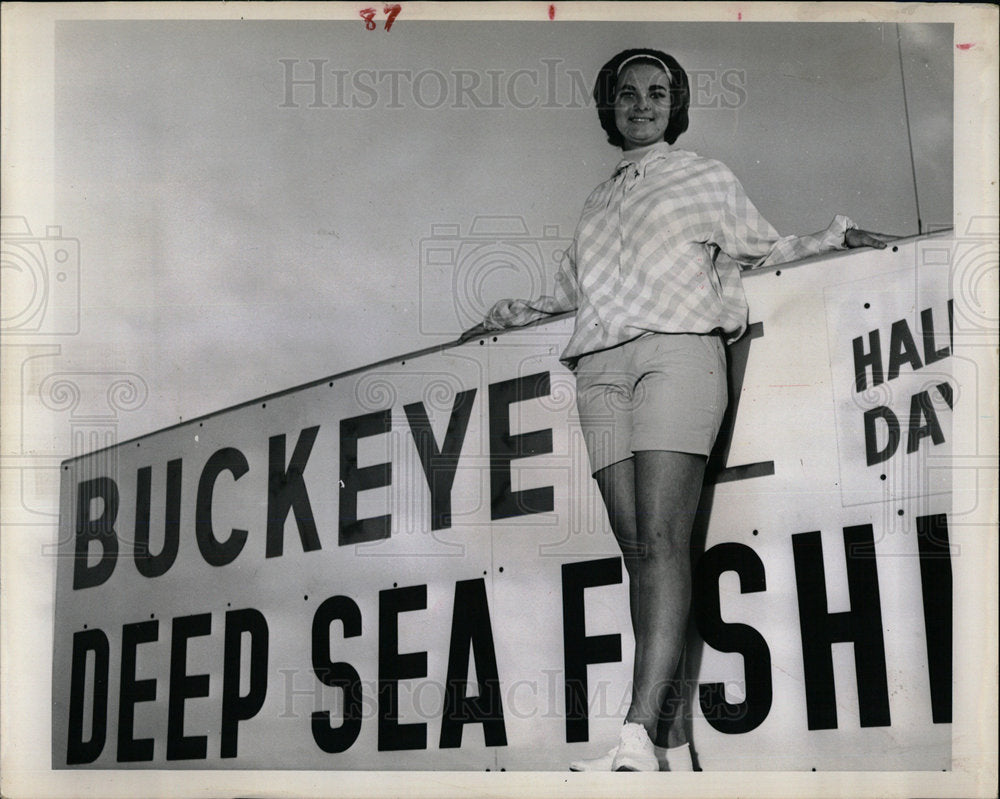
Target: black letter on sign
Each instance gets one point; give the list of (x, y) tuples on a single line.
[(470, 626), (78, 750), (286, 491), (872, 453), (902, 349), (505, 447), (440, 464), (336, 675), (931, 355), (354, 479), (922, 407), (132, 691), (863, 360), (726, 716), (236, 708), (148, 564), (716, 471), (215, 552), (951, 323), (579, 649), (393, 667), (101, 529), (185, 686), (862, 624), (935, 583)]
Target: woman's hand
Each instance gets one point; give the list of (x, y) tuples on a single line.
[(473, 332), (855, 237)]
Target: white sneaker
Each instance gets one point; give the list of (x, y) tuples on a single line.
[(602, 763), (635, 750)]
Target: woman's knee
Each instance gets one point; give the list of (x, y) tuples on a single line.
[(664, 546)]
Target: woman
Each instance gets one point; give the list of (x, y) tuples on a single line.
[(654, 276)]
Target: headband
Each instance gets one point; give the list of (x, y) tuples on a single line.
[(643, 57)]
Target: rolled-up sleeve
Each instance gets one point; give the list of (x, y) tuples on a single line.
[(746, 237)]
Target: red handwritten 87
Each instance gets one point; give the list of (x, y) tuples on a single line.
[(391, 12)]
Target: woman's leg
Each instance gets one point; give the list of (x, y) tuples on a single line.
[(617, 485), (676, 712), (667, 487)]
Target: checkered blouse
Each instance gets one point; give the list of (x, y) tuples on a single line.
[(659, 248)]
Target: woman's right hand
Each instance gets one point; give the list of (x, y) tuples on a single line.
[(473, 332), (855, 237)]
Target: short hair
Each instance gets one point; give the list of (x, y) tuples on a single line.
[(607, 84)]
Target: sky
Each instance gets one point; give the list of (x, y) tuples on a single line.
[(243, 230)]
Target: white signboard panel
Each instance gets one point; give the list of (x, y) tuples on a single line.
[(895, 377), (409, 566)]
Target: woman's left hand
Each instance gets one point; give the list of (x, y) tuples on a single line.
[(855, 237)]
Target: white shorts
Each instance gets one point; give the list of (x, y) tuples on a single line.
[(662, 391)]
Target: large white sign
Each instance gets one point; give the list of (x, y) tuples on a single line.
[(409, 566)]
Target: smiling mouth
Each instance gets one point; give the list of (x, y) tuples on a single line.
[(640, 119)]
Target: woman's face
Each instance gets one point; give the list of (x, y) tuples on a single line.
[(642, 105)]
